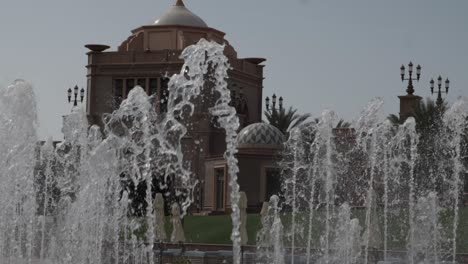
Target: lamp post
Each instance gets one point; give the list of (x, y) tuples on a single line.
[(410, 79), (440, 101), (273, 106), (75, 95)]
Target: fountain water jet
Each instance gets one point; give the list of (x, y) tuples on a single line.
[(384, 164), (270, 248), (94, 218), (84, 213)]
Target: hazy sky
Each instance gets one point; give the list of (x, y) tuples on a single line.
[(320, 53)]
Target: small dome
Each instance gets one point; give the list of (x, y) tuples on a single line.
[(180, 15), (260, 134)]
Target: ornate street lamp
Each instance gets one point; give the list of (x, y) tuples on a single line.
[(75, 97), (410, 79), (273, 107), (440, 101)]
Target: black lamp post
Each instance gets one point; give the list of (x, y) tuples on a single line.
[(273, 107), (75, 95), (440, 101), (410, 79)]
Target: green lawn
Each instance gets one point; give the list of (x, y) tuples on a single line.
[(217, 229)]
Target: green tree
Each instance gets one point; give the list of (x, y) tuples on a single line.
[(394, 119), (432, 148), (285, 120), (342, 124), (464, 153), (427, 115)]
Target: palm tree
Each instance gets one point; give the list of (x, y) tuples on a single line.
[(342, 124), (285, 120), (431, 149), (427, 115), (394, 119), (464, 153)]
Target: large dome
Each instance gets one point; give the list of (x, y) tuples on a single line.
[(181, 16), (261, 135)]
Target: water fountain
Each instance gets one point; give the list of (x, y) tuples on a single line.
[(270, 247), (83, 212), (349, 196), (407, 186), (345, 239)]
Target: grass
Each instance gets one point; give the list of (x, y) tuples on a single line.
[(217, 229)]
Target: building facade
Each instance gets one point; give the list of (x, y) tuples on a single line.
[(147, 58)]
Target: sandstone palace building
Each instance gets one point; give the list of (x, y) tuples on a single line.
[(147, 58)]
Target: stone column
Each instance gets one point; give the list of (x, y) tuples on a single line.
[(407, 106)]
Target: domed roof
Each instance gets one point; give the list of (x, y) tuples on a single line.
[(180, 15), (260, 134)]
